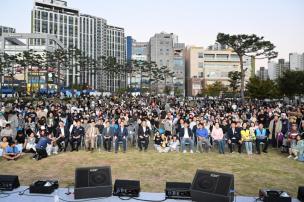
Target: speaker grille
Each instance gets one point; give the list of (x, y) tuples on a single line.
[(93, 177), (212, 182)]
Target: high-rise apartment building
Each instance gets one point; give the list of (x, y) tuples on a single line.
[(87, 33), (262, 73), (296, 61)]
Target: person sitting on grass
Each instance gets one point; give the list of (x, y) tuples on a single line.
[(164, 146), (21, 140), (247, 138), (298, 149), (218, 136), (31, 143), (11, 152), (174, 143), (158, 139), (292, 136), (7, 132), (261, 135)]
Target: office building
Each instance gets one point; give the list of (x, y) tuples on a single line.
[(206, 66)]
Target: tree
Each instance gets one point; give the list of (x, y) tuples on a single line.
[(291, 83), (214, 89), (234, 80), (261, 89), (167, 90), (60, 57), (247, 45)]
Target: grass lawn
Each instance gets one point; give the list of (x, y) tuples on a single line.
[(272, 170)]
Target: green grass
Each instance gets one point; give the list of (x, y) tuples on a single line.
[(272, 170)]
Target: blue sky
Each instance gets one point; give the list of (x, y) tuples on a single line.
[(196, 22)]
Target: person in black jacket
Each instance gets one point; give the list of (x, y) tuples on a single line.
[(234, 137), (76, 135), (62, 136), (107, 135), (143, 136), (186, 136)]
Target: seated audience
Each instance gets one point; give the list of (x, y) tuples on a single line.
[(186, 136), (107, 135), (143, 136), (218, 137), (261, 135), (234, 137), (202, 136), (11, 152), (247, 138)]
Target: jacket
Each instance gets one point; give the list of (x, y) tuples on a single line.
[(278, 128), (233, 134), (182, 133)]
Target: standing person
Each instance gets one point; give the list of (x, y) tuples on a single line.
[(247, 138), (186, 136), (76, 135), (275, 127), (143, 136), (121, 136), (218, 136), (91, 135), (234, 137), (261, 135), (107, 135)]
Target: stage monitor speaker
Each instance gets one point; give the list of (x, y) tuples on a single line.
[(130, 188), (9, 182), (301, 194), (93, 182), (210, 186)]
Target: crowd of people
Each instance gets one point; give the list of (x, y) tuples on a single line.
[(50, 126)]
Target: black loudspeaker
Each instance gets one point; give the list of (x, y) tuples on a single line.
[(93, 182), (9, 182), (178, 190), (210, 186), (129, 188), (301, 194)]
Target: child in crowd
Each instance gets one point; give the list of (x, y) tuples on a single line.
[(174, 144)]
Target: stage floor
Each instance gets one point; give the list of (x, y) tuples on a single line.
[(146, 196)]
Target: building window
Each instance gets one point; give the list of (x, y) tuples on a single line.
[(200, 55), (200, 65)]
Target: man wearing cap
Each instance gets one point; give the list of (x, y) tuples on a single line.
[(90, 136), (275, 127)]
